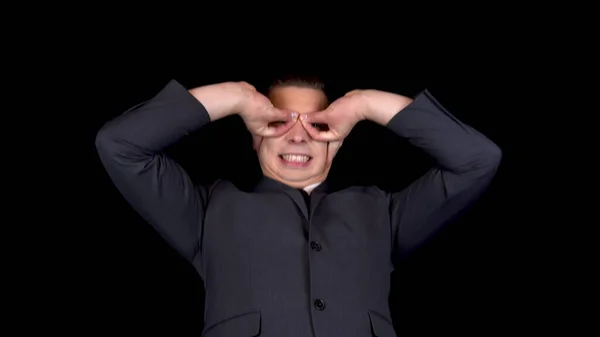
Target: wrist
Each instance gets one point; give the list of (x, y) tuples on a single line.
[(220, 100), (387, 107)]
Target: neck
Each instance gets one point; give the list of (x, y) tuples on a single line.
[(310, 183)]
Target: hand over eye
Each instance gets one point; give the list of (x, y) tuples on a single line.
[(261, 117), (336, 121)]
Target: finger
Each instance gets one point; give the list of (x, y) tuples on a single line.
[(256, 142), (316, 134), (319, 117), (276, 129), (281, 129), (353, 92), (280, 115), (247, 85), (278, 122)]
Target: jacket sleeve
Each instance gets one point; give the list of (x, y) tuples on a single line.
[(131, 150), (466, 162)]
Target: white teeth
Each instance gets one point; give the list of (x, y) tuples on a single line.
[(295, 158)]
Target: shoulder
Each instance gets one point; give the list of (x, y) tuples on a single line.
[(220, 185), (369, 191), (229, 188)]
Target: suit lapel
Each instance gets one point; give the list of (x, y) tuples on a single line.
[(267, 184), (297, 197)]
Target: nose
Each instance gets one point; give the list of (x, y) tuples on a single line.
[(297, 134)]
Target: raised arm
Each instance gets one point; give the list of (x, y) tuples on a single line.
[(466, 161), (131, 150), (466, 164)]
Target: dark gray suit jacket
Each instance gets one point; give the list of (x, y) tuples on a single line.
[(272, 267)]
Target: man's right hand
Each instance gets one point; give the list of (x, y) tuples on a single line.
[(260, 116)]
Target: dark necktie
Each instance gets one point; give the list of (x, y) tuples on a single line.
[(306, 197)]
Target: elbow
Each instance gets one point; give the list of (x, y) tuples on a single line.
[(104, 140), (492, 156), (488, 161), (483, 161), (114, 148), (107, 143)]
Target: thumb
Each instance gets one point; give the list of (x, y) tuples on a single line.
[(314, 133), (332, 150), (256, 142), (354, 92), (288, 118), (319, 117), (281, 115)]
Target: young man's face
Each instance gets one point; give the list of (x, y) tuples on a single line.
[(294, 158)]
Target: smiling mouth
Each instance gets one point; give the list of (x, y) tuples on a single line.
[(295, 158)]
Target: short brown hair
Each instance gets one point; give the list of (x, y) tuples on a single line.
[(303, 81)]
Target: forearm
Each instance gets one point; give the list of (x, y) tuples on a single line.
[(169, 116), (454, 145), (386, 107), (220, 100)]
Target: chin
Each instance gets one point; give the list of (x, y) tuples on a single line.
[(297, 178)]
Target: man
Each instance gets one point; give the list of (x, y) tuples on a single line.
[(294, 257)]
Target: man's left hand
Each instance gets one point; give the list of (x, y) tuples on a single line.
[(336, 121)]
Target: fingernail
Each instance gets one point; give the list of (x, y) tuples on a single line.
[(304, 117), (294, 115)]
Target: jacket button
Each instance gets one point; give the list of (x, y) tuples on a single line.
[(315, 246), (320, 304)]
